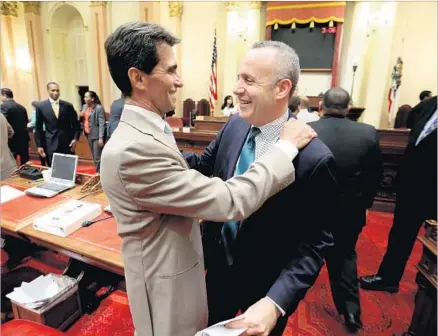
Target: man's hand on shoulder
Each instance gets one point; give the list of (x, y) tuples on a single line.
[(260, 318), (297, 132)]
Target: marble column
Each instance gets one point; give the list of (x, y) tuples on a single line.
[(99, 33), (32, 17), (176, 9), (9, 76)]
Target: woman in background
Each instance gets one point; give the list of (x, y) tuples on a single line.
[(93, 117), (228, 106), (401, 120)]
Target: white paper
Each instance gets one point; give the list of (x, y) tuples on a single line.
[(42, 288), (219, 329), (8, 193)]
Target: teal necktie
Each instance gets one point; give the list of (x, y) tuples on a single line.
[(247, 156)]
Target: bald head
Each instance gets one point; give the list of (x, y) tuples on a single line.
[(336, 101)]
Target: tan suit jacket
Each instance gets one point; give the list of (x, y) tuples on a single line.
[(7, 161), (155, 199)]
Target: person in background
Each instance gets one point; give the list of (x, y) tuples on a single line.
[(62, 125), (31, 125), (228, 106), (416, 197), (93, 117), (16, 115), (358, 172), (304, 113), (115, 114), (401, 119), (157, 200), (7, 162), (294, 103), (426, 94)]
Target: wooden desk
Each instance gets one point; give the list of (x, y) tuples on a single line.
[(194, 141), (71, 246), (210, 124)]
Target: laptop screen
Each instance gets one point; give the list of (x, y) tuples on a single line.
[(63, 167)]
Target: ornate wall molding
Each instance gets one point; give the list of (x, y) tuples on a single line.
[(98, 3), (9, 8), (176, 8), (32, 7), (256, 4)]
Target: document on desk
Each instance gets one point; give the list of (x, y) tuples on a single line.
[(67, 218), (219, 329), (8, 193)]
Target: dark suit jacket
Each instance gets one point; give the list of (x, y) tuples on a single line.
[(115, 114), (417, 176), (358, 160), (17, 117), (281, 247), (59, 131)]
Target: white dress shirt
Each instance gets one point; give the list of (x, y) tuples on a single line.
[(306, 116), (152, 117)]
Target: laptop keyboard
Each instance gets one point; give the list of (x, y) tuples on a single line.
[(52, 186)]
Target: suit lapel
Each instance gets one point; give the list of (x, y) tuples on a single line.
[(61, 109), (237, 136), (48, 111)]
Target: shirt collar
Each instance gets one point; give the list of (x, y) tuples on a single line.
[(272, 129), (151, 116), (53, 101)]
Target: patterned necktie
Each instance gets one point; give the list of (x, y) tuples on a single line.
[(55, 106), (247, 156), (429, 128)]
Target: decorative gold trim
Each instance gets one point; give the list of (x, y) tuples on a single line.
[(255, 4), (32, 7), (319, 5), (286, 22), (175, 8), (98, 3), (231, 5), (9, 8)]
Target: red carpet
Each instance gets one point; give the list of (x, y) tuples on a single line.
[(382, 314)]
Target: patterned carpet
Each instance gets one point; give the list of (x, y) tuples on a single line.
[(382, 314)]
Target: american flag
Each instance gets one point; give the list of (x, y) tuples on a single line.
[(212, 96)]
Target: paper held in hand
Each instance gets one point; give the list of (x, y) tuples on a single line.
[(219, 329)]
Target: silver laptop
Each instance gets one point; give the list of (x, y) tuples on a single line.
[(62, 178)]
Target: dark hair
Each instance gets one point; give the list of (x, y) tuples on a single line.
[(336, 101), (225, 102), (51, 83), (401, 119), (425, 94), (7, 92), (134, 45), (294, 102), (95, 97)]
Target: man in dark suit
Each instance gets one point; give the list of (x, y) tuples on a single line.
[(17, 117), (416, 197), (264, 264), (62, 125), (358, 171), (115, 114)]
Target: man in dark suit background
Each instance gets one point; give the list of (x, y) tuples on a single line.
[(62, 125), (264, 264), (115, 114), (17, 117), (358, 171), (416, 201)]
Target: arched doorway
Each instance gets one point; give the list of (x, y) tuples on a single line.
[(69, 52)]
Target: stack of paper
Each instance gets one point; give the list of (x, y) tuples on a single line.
[(41, 290), (8, 193), (219, 329), (67, 218)]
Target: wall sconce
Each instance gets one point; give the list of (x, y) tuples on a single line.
[(355, 66)]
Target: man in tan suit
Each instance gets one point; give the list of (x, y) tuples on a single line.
[(7, 161), (156, 198)]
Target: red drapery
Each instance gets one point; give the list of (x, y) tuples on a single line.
[(303, 12)]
